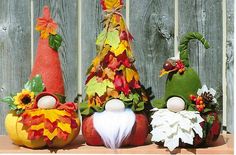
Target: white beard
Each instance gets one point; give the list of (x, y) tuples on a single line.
[(169, 127), (114, 127)]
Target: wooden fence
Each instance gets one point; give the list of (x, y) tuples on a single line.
[(155, 24)]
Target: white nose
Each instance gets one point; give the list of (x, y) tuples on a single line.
[(115, 105), (46, 102), (175, 104)]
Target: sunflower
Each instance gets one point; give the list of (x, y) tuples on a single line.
[(24, 99)]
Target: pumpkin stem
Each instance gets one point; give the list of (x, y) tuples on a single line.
[(183, 46)]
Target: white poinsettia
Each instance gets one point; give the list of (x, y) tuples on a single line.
[(170, 127), (204, 89)]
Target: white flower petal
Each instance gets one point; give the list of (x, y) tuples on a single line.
[(214, 101), (199, 92), (204, 88), (212, 91), (171, 143)]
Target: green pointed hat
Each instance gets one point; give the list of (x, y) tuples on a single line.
[(182, 80)]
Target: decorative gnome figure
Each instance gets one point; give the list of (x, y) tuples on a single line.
[(190, 118), (113, 111), (38, 115)]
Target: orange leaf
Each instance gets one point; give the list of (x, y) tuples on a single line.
[(130, 74), (112, 92), (109, 73)]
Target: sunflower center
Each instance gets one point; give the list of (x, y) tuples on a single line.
[(26, 99)]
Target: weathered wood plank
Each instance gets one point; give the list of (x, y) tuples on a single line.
[(230, 64), (14, 50), (206, 18), (65, 13), (91, 18), (152, 25)]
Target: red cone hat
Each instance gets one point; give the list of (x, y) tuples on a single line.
[(47, 63)]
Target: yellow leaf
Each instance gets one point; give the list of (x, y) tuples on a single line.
[(121, 48), (37, 127), (50, 135), (64, 127), (51, 114), (96, 61), (130, 74)]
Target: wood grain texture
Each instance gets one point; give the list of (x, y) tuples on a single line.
[(152, 25), (91, 18), (204, 17), (65, 13), (14, 50), (230, 64)]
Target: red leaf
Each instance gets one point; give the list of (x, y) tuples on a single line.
[(123, 58), (50, 126), (120, 83)]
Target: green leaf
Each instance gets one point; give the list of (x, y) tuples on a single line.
[(135, 97), (113, 39), (98, 108), (140, 106), (19, 111), (159, 103), (101, 39), (8, 100), (61, 98), (12, 107), (55, 41), (207, 110), (191, 107), (93, 86), (210, 119), (85, 109), (35, 85)]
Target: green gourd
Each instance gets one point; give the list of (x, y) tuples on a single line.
[(187, 83)]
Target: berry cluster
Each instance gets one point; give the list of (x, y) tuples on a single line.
[(200, 105), (180, 66)]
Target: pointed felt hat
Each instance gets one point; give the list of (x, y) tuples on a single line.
[(47, 63)]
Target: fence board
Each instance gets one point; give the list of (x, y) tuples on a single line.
[(206, 18), (14, 50), (152, 25), (230, 64), (65, 13)]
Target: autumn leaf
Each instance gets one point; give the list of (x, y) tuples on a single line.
[(94, 87), (119, 50), (113, 38), (124, 59), (111, 4), (109, 73), (130, 74), (113, 93), (96, 61), (121, 84), (101, 39)]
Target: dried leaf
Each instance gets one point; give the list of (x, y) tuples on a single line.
[(96, 61)]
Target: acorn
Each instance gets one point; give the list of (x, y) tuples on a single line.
[(169, 65)]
